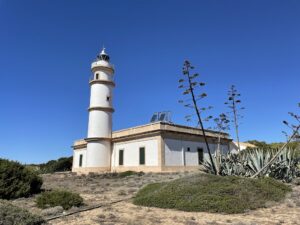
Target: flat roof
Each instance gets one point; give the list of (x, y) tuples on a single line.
[(159, 126)]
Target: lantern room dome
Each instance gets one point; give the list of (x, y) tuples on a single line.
[(103, 56)]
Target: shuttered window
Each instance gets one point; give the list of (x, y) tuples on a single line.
[(121, 157), (80, 160), (142, 156)]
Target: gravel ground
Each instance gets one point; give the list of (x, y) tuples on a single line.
[(104, 189)]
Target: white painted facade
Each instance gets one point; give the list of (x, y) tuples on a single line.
[(185, 153), (131, 153), (98, 153), (76, 158)]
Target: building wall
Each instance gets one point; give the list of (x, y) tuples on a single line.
[(76, 154), (176, 153), (131, 154)]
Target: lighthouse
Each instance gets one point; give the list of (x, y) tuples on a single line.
[(99, 137)]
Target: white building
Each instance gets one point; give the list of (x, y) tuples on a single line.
[(156, 147), (243, 145)]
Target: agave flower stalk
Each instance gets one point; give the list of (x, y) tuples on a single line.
[(233, 102), (190, 89)]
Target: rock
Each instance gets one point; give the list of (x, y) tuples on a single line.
[(296, 181), (122, 192), (290, 203), (73, 209), (52, 211)]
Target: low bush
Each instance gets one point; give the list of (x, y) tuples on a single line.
[(210, 193), (62, 198), (59, 165), (129, 173), (13, 215), (17, 181)]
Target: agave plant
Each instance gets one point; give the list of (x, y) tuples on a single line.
[(230, 165), (285, 167), (257, 159), (247, 163), (233, 165)]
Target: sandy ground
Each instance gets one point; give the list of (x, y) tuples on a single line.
[(100, 189)]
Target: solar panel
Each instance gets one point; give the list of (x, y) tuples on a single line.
[(154, 118), (161, 116)]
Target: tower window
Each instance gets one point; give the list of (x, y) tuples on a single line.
[(142, 156), (107, 98), (188, 149), (97, 76), (80, 160), (121, 157)]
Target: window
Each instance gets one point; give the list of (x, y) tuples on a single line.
[(188, 149), (80, 160), (121, 157), (97, 76), (107, 98), (200, 155), (142, 155)]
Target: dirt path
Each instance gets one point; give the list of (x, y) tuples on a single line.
[(99, 189)]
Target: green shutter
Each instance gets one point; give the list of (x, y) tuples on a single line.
[(121, 157), (142, 156), (80, 160)]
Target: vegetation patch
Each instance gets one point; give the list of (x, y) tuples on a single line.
[(210, 193), (129, 173), (17, 181), (60, 165), (13, 215), (62, 198)]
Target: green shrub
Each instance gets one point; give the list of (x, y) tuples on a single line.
[(212, 193), (17, 181), (60, 165), (13, 215), (62, 198), (129, 173)]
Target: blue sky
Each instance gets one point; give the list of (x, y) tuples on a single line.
[(46, 48)]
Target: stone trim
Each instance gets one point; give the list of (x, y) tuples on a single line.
[(106, 109), (166, 127), (96, 67), (191, 137), (161, 151), (102, 82), (140, 168), (86, 170), (79, 147), (139, 139), (96, 139), (180, 168), (135, 137)]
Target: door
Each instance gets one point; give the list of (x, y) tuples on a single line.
[(200, 155)]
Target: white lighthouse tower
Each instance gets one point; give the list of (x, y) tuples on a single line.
[(99, 145)]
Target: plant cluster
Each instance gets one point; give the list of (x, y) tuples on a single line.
[(13, 215), (209, 193), (129, 173), (249, 162), (17, 181), (59, 165), (63, 198)]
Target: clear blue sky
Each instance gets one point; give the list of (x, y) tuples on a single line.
[(46, 48)]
